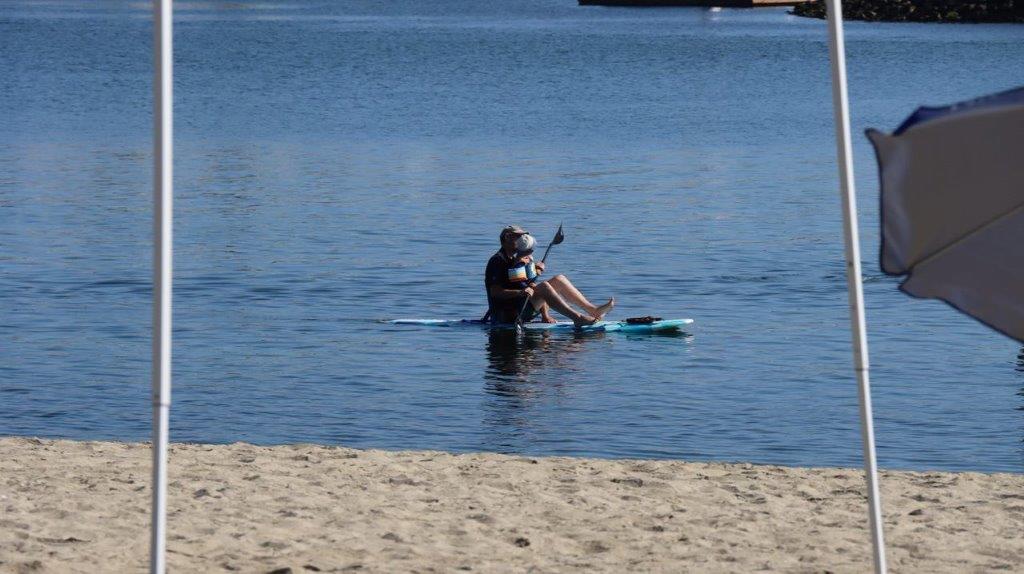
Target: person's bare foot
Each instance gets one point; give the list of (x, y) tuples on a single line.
[(583, 320), (601, 310), (548, 319)]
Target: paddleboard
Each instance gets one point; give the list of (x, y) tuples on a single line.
[(660, 326)]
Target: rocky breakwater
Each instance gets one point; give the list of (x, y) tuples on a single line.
[(920, 10)]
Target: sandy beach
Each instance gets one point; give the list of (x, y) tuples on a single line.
[(83, 507)]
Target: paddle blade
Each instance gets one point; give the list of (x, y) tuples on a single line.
[(559, 236)]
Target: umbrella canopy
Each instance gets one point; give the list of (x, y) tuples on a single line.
[(952, 207)]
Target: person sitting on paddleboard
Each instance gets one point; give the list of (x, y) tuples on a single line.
[(512, 278)]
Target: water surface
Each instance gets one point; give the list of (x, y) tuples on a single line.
[(338, 164)]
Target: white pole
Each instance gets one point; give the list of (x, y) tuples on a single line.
[(855, 290), (163, 192)]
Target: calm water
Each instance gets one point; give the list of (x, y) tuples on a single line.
[(339, 163)]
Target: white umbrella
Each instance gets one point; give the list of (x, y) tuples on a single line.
[(952, 186)]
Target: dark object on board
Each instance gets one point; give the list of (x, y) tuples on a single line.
[(642, 320), (920, 10)]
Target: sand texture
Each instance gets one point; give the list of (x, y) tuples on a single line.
[(69, 506)]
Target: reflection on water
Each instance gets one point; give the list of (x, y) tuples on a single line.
[(513, 358), (530, 375), (524, 370)]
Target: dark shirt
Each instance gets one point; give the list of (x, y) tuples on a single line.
[(497, 273)]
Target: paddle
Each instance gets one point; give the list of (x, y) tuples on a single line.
[(559, 237)]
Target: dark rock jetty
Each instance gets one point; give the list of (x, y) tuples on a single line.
[(921, 10), (691, 3)]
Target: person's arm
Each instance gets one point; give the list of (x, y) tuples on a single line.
[(499, 292)]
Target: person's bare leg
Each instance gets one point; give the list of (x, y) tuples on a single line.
[(568, 291), (545, 311), (545, 293)]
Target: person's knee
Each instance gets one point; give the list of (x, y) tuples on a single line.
[(560, 278), (542, 289)]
